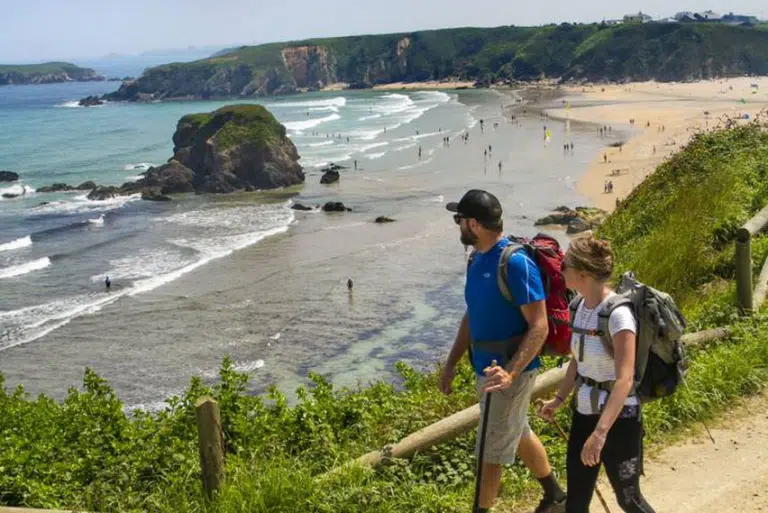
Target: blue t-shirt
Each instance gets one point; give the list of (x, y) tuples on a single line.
[(491, 316)]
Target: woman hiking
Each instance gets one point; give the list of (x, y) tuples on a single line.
[(606, 423)]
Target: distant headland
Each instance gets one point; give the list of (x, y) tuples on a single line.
[(46, 73)]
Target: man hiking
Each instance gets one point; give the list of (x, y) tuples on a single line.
[(512, 334)]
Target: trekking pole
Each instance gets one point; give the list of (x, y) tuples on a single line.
[(539, 403), (706, 428), (483, 432), (708, 433)]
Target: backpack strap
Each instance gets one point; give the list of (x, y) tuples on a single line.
[(573, 306), (604, 316), (594, 394), (502, 274), (471, 259)]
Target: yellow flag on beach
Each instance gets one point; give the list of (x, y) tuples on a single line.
[(548, 134), (568, 106)]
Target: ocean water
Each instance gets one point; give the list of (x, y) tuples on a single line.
[(244, 275)]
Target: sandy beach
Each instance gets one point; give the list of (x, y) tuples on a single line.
[(666, 115), (430, 84)]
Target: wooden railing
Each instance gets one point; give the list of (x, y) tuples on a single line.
[(467, 419), (750, 299)]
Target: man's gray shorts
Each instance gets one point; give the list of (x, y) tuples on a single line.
[(507, 420)]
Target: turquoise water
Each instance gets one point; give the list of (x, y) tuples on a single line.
[(243, 274)]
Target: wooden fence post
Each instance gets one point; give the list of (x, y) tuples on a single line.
[(744, 271), (211, 437)]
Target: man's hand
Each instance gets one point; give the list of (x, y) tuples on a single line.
[(497, 379), (446, 378)]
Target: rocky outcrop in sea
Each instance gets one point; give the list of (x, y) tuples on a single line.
[(236, 148), (577, 220), (8, 176)]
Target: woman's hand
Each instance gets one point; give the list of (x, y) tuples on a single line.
[(548, 408), (590, 453)]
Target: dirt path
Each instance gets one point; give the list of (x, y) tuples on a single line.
[(697, 476)]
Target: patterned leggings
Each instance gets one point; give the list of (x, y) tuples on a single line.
[(622, 457)]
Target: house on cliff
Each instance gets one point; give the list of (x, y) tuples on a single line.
[(640, 17)]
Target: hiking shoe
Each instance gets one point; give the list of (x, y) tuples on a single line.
[(548, 505)]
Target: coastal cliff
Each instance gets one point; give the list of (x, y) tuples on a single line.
[(47, 73), (572, 52)]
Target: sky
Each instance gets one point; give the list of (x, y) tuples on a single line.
[(42, 30)]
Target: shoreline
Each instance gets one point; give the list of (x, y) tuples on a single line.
[(245, 303), (666, 115), (427, 85)]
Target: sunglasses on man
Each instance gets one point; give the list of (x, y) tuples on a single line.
[(458, 217)]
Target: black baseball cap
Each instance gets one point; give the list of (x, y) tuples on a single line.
[(477, 204)]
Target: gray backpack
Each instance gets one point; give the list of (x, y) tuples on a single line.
[(660, 361)]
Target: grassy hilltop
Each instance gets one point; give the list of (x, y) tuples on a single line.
[(595, 52)]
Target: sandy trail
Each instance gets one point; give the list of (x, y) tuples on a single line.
[(696, 476)]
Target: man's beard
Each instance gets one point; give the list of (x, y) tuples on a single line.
[(468, 238)]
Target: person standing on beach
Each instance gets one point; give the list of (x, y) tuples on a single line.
[(107, 283), (494, 329), (419, 152), (499, 167)]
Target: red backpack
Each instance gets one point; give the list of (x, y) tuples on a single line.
[(546, 253)]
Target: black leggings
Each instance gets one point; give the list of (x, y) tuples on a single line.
[(623, 460)]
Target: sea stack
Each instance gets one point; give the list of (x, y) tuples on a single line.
[(238, 147)]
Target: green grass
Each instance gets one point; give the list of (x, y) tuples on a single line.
[(235, 124), (676, 230), (85, 452)]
